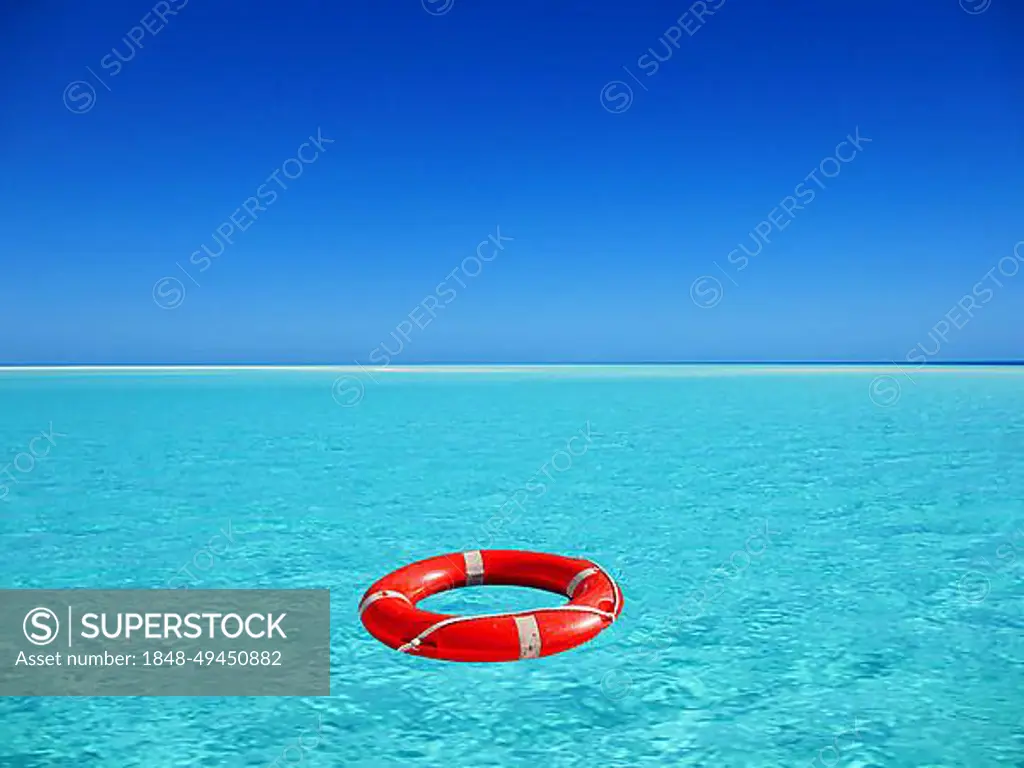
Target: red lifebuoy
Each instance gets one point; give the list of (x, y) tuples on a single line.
[(389, 612)]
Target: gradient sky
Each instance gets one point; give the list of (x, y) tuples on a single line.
[(446, 126)]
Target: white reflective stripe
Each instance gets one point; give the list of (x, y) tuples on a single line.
[(474, 568), (578, 579), (529, 636), (616, 592), (413, 644), (371, 599)]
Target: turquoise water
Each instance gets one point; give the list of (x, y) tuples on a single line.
[(883, 613)]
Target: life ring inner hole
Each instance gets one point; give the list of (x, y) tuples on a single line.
[(491, 598)]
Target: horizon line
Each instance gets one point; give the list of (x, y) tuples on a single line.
[(865, 366)]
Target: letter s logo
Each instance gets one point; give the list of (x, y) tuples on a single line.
[(41, 626)]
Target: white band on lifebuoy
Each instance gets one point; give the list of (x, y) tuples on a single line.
[(371, 599), (529, 636), (474, 568), (578, 579)]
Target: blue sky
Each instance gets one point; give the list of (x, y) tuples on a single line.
[(123, 156)]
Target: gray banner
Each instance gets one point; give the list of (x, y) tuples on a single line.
[(165, 642)]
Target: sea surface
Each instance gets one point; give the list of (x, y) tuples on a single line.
[(818, 568)]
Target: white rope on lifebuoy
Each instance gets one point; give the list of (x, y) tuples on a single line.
[(384, 593), (585, 574), (414, 644), (615, 591)]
